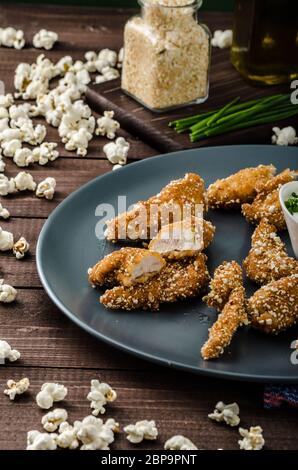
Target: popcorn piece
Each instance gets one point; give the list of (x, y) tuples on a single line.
[(227, 413), (106, 125), (9, 134), (23, 157), (6, 240), (100, 394), (19, 114), (106, 58), (50, 392), (252, 438), (45, 153), (20, 248), (91, 58), (116, 167), (32, 80), (7, 353), (6, 100), (3, 125), (79, 141), (116, 152), (76, 127), (120, 58), (141, 430), (67, 438), (45, 39), (95, 434), (4, 213), (33, 135), (7, 186), (7, 293), (46, 188), (109, 73), (10, 37), (179, 443), (3, 113), (24, 182), (10, 147), (222, 39), (17, 388), (41, 441), (284, 136), (52, 420)]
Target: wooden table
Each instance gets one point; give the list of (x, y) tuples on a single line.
[(53, 348)]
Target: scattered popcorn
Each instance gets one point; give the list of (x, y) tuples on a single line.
[(20, 248), (23, 157), (45, 39), (4, 213), (120, 58), (46, 188), (6, 240), (41, 441), (19, 114), (17, 388), (91, 58), (109, 73), (100, 394), (179, 443), (67, 437), (10, 37), (227, 413), (106, 125), (6, 100), (7, 293), (24, 182), (7, 353), (76, 127), (252, 438), (106, 58), (49, 393), (52, 420), (33, 135), (141, 430), (45, 153), (116, 152), (116, 167), (95, 434), (10, 147), (284, 136), (222, 39), (79, 141), (7, 186), (32, 80), (9, 134)]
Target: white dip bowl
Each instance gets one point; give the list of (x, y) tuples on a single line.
[(291, 220)]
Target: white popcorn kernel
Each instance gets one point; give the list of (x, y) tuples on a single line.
[(67, 437), (23, 157), (106, 125), (16, 388), (284, 136), (116, 152), (44, 39), (24, 182), (120, 58), (91, 58), (3, 125), (41, 441), (46, 188), (141, 430), (19, 114), (6, 100), (33, 135), (20, 248), (4, 213), (179, 443), (7, 293), (226, 413), (7, 186), (63, 65), (95, 434), (100, 79), (79, 141), (10, 147), (6, 240), (106, 58), (9, 134), (49, 393), (10, 37), (116, 167), (222, 39), (7, 353), (45, 153), (3, 113), (252, 438), (52, 420), (99, 395)]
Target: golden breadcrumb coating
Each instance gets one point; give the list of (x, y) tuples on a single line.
[(143, 223), (183, 239), (222, 331), (274, 307), (226, 278), (267, 259), (238, 188), (266, 204), (126, 267), (178, 280)]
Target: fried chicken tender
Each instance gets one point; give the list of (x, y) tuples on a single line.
[(178, 280), (126, 267), (183, 239), (147, 217), (267, 259), (227, 277), (266, 204), (229, 320), (241, 187), (274, 307)]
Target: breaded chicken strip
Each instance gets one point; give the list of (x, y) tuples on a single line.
[(266, 204), (147, 217), (227, 277), (183, 239), (274, 307), (267, 259), (178, 280), (229, 320), (231, 192), (126, 267)]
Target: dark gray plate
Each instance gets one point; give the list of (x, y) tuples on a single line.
[(67, 246)]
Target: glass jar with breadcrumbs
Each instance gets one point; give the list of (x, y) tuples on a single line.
[(166, 55)]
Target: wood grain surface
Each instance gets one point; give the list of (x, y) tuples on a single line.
[(53, 348)]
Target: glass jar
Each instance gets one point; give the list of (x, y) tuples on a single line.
[(166, 55), (265, 40)]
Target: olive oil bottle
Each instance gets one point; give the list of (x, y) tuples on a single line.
[(265, 40)]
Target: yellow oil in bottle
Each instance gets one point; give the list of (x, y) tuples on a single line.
[(265, 40)]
